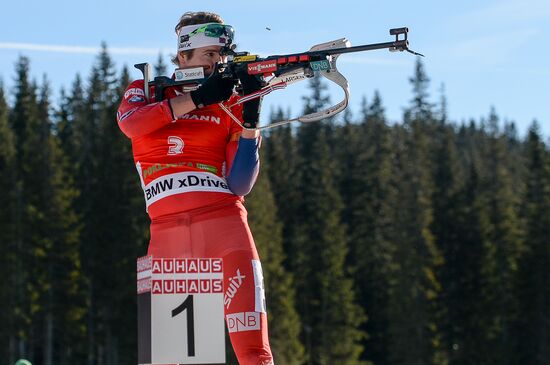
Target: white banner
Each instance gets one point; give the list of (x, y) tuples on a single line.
[(181, 314), (183, 182)]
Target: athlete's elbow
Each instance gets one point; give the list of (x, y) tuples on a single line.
[(240, 188), (125, 123), (128, 132), (132, 129)]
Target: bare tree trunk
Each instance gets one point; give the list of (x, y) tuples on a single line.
[(109, 347), (91, 328), (48, 338), (11, 351)]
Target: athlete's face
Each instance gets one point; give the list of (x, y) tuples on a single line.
[(206, 57)]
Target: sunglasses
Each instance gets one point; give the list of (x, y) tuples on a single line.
[(211, 30)]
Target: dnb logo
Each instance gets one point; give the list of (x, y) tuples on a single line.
[(244, 321)]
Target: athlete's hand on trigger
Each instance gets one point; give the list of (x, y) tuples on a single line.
[(215, 89), (251, 108), (250, 83)]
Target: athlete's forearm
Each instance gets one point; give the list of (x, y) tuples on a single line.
[(245, 167)]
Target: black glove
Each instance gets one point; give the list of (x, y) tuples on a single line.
[(251, 109), (214, 90)]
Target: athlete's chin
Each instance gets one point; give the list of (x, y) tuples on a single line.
[(208, 70)]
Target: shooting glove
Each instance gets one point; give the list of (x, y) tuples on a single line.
[(251, 109), (214, 90)]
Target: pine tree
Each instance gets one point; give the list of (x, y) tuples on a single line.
[(371, 251), (85, 150), (462, 274), (533, 329), (327, 304), (443, 106), (281, 154), (502, 249), (284, 323), (69, 123), (46, 231), (346, 144), (160, 66), (448, 205), (413, 286), (516, 158), (414, 289), (72, 130), (8, 260), (97, 238), (63, 127), (421, 108), (23, 120), (112, 210), (64, 302), (124, 225)]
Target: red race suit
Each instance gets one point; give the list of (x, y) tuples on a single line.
[(182, 163)]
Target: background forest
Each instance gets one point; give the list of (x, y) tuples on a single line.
[(419, 242)]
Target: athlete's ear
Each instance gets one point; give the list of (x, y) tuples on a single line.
[(182, 59)]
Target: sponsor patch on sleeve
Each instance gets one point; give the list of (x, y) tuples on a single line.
[(134, 91), (243, 321)]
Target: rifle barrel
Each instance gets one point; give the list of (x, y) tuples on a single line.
[(368, 47), (399, 45)]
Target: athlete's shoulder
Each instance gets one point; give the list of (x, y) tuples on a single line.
[(134, 92), (136, 84)]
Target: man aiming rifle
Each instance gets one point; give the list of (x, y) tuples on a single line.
[(196, 164), (195, 143)]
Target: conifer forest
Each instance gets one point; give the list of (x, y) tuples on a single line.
[(414, 242)]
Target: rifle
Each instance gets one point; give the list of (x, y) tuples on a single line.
[(283, 70)]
